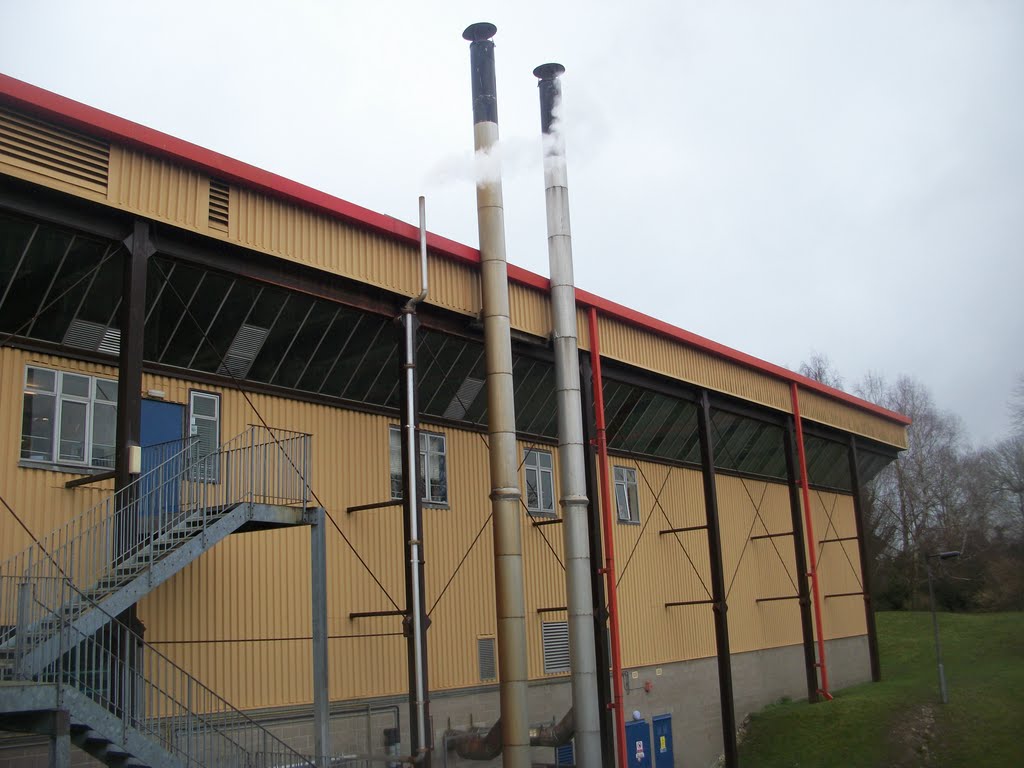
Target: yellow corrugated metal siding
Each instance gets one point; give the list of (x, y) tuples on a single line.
[(529, 310), (758, 568), (158, 189), (849, 419), (838, 565)]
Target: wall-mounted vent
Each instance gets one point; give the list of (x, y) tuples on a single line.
[(243, 350), (53, 151), (220, 199), (555, 639), (464, 397), (93, 336), (486, 659)]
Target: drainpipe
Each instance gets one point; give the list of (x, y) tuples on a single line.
[(572, 474), (501, 417), (415, 624), (812, 543), (609, 540)]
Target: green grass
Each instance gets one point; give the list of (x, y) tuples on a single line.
[(900, 722)]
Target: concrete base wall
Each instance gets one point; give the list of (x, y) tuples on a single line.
[(686, 690)]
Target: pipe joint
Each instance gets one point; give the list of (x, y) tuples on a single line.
[(506, 494)]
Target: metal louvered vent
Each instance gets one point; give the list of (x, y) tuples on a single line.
[(54, 152), (220, 198), (464, 397), (555, 639), (94, 336), (486, 658), (243, 350)]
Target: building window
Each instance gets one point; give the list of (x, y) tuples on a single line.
[(204, 425), (626, 503), (433, 474), (540, 484), (68, 418), (555, 644)]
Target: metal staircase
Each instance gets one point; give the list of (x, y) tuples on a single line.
[(61, 647)]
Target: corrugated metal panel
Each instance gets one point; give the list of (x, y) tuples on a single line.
[(635, 346), (65, 156), (838, 565), (654, 569), (530, 310), (758, 568), (828, 411), (156, 188)]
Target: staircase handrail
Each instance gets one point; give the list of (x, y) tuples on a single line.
[(120, 671)]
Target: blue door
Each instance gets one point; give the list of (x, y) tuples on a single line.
[(161, 434), (663, 755), (638, 744)]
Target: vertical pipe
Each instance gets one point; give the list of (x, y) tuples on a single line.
[(573, 496), (609, 541), (501, 427), (812, 543), (865, 563), (601, 634), (321, 694), (800, 554), (720, 605)]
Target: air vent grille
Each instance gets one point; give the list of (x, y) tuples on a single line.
[(464, 397), (54, 152), (243, 350), (486, 658), (93, 336), (220, 199), (555, 639)]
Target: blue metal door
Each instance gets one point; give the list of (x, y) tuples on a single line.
[(663, 755), (638, 744), (161, 434)]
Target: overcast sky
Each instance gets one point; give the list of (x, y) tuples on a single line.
[(782, 177)]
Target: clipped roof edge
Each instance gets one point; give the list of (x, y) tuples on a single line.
[(75, 114)]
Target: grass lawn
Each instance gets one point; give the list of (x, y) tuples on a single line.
[(900, 721)]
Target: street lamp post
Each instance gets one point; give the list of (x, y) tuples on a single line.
[(935, 621)]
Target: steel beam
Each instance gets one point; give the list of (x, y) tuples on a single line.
[(321, 694), (718, 594)]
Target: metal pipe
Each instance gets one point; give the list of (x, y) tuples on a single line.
[(609, 542), (812, 546), (572, 474), (415, 619), (501, 427)]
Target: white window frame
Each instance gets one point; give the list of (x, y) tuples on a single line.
[(62, 399), (627, 498), (205, 471), (428, 450), (533, 466)]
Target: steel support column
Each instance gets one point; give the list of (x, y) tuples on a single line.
[(321, 694), (865, 563), (707, 459), (60, 740), (602, 651), (800, 552)]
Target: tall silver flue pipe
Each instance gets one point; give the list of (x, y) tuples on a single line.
[(501, 416), (571, 454)]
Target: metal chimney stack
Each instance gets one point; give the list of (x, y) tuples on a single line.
[(571, 454), (501, 417)]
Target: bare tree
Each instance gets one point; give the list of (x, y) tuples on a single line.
[(820, 368)]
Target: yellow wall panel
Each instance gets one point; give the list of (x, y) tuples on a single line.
[(838, 565), (849, 419), (158, 189)]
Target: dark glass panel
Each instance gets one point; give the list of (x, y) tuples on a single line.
[(292, 314), (30, 283), (240, 299), (828, 463), (869, 464), (201, 310), (15, 234), (70, 286), (322, 360), (304, 344), (164, 318)]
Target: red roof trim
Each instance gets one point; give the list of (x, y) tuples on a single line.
[(52, 106)]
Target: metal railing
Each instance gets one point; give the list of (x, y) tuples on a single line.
[(116, 670), (181, 491)]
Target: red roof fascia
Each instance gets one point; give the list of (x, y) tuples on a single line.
[(49, 105)]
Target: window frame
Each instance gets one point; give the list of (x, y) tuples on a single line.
[(539, 471), (62, 402), (198, 474), (632, 500), (426, 443)]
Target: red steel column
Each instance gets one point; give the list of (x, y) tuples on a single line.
[(812, 543), (609, 541)]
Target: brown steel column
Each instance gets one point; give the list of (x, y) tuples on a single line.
[(707, 460), (865, 565), (806, 622)]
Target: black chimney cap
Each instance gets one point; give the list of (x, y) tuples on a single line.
[(548, 71), (479, 32)]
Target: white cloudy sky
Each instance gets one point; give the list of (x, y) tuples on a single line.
[(844, 177)]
